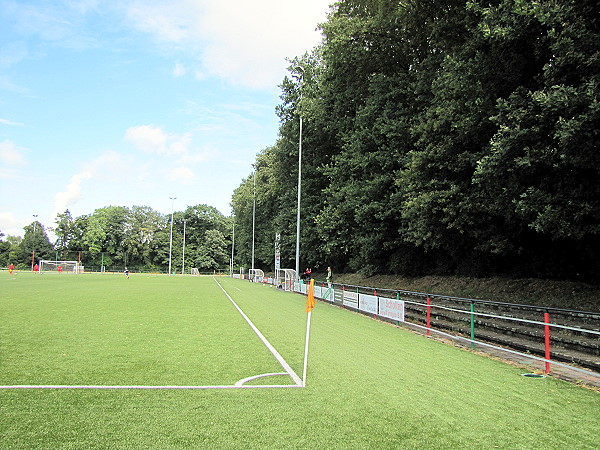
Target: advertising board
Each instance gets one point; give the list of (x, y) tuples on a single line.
[(391, 308)]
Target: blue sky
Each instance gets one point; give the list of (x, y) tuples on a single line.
[(129, 103)]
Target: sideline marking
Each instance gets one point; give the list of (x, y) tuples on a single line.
[(275, 353), (239, 384), (236, 386)]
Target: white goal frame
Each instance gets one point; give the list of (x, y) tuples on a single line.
[(194, 271), (285, 278), (68, 266)]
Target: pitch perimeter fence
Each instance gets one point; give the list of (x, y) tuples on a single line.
[(547, 336)]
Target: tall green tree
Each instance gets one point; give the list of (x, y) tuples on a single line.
[(540, 173), (105, 233), (34, 247), (456, 136), (4, 251), (144, 231), (212, 253), (64, 232)]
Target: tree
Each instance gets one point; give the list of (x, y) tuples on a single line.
[(105, 232), (4, 251), (64, 232), (34, 246), (144, 230), (212, 253), (540, 173), (456, 136)]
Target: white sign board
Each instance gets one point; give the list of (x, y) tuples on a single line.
[(391, 308), (277, 252), (367, 303)]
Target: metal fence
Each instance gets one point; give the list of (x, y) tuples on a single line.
[(551, 337)]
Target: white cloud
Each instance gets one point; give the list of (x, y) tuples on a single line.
[(182, 174), (110, 166), (152, 139), (179, 70), (168, 21), (62, 22), (244, 42), (12, 155), (207, 153), (11, 123), (63, 200), (10, 225)]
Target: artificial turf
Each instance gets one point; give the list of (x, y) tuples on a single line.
[(369, 384)]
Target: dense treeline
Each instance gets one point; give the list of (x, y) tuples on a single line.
[(451, 136), (138, 238)]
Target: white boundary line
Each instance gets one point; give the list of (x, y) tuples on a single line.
[(235, 386), (275, 353), (238, 385)]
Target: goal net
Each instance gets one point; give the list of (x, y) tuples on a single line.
[(61, 266), (195, 272), (285, 278), (256, 275)]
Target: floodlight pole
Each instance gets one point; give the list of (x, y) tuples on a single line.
[(171, 238), (183, 251), (253, 218), (33, 241), (232, 247), (299, 184)]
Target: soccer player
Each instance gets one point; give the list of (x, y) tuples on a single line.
[(59, 269), (11, 268), (126, 272)]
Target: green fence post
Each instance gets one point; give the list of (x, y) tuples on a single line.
[(472, 325)]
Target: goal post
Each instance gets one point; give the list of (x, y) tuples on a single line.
[(47, 266), (194, 271)]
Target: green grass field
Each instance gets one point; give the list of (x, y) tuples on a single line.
[(369, 384)]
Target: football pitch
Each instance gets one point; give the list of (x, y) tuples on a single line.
[(101, 361)]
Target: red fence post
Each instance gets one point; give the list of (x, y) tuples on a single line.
[(547, 336), (428, 316)]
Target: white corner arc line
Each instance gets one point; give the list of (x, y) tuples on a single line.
[(256, 377), (272, 349)]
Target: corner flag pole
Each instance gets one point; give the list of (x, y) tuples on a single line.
[(310, 304)]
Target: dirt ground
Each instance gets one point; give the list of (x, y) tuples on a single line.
[(553, 294)]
